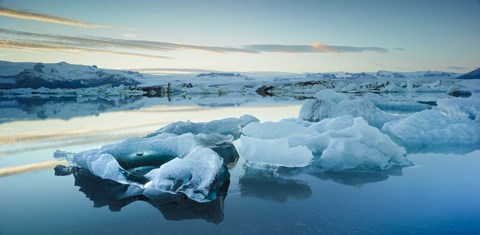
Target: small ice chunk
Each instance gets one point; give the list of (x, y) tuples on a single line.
[(461, 108), (274, 152), (458, 91), (192, 175), (100, 164)]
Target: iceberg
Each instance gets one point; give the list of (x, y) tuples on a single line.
[(433, 130), (191, 164), (330, 104), (192, 175), (336, 144), (461, 108)]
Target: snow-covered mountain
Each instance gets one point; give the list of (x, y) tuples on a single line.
[(341, 75), (62, 75), (475, 74), (214, 75), (222, 76)]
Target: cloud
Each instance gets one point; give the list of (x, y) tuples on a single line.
[(121, 43), (20, 45), (315, 47), (84, 41), (48, 18), (178, 46), (378, 64), (107, 44), (457, 67)]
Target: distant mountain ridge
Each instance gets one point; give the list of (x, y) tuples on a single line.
[(219, 75), (62, 75), (382, 74), (475, 74)]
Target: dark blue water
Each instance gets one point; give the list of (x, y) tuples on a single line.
[(440, 195)]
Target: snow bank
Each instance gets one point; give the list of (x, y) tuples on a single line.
[(338, 144)]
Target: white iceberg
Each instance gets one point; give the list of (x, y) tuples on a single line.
[(431, 127), (330, 104), (461, 108), (192, 175), (341, 143)]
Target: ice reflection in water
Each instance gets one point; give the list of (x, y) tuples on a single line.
[(116, 196)]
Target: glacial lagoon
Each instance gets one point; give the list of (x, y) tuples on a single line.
[(437, 195)]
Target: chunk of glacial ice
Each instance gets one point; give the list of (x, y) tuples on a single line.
[(461, 108), (330, 104), (431, 127), (189, 161), (102, 165), (273, 152), (340, 143), (192, 175), (227, 126)]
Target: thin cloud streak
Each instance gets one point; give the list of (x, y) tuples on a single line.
[(457, 67), (314, 48), (103, 43), (48, 18), (122, 43), (82, 41), (20, 45), (177, 46)]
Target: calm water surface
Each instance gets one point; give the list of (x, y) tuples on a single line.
[(439, 195)]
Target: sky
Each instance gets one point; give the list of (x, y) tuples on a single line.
[(245, 36)]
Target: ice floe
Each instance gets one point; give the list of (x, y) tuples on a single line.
[(435, 131), (194, 165), (330, 104), (340, 143)]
